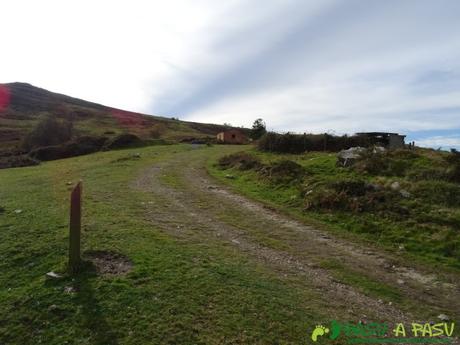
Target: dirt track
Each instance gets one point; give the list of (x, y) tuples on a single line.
[(189, 204)]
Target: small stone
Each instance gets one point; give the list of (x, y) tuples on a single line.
[(400, 281), (404, 193), (443, 317), (69, 289), (236, 241), (18, 211), (69, 183), (395, 186), (374, 186), (53, 307), (231, 177), (212, 187), (53, 275)]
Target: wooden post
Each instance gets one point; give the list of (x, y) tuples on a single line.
[(75, 229)]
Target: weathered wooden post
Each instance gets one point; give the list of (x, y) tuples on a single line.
[(75, 229)]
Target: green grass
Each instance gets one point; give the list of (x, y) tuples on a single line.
[(177, 292), (427, 230)]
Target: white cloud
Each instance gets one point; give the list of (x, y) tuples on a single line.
[(303, 66), (444, 142)]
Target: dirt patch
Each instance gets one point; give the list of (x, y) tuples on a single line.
[(109, 263)]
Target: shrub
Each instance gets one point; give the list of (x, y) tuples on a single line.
[(48, 132), (17, 161), (438, 192), (353, 196), (80, 146), (259, 128), (372, 163), (453, 159), (386, 163), (434, 173), (157, 130), (124, 141), (299, 143), (283, 171), (240, 160), (351, 187)]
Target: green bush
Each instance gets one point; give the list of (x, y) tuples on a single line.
[(124, 141), (80, 146), (299, 143), (49, 131), (438, 192), (453, 159), (387, 163), (284, 171), (240, 160), (353, 195), (17, 161)]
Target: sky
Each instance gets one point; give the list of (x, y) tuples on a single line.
[(336, 66)]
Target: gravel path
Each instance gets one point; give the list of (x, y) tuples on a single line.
[(188, 204)]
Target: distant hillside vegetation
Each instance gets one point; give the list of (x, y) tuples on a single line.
[(23, 107)]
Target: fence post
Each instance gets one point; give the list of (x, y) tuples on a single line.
[(75, 229)]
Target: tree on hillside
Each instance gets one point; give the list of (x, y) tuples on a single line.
[(259, 128), (48, 131)]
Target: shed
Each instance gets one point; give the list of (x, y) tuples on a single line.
[(389, 140), (232, 136)]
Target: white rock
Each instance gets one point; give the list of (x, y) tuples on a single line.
[(348, 157), (379, 149), (443, 317), (17, 211), (53, 275), (404, 193), (395, 186), (69, 289)]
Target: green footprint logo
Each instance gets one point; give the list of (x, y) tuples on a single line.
[(319, 331)]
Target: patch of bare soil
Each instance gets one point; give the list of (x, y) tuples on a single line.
[(109, 263)]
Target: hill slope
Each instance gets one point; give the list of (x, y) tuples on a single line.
[(23, 105), (208, 266)]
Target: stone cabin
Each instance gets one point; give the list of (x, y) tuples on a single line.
[(232, 136), (388, 140)]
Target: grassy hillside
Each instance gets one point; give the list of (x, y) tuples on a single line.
[(22, 106), (402, 200), (177, 293)]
